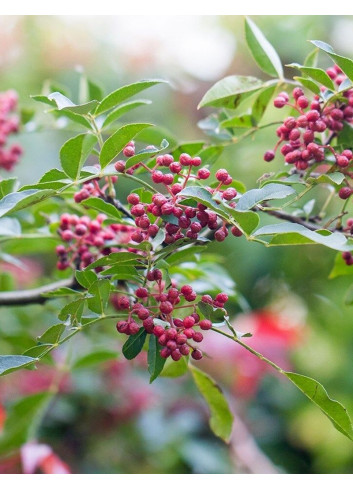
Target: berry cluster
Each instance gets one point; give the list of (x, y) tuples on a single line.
[(87, 240), (92, 189), (181, 220), (9, 124), (156, 306), (303, 147)]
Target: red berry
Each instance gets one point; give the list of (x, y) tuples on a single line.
[(196, 354), (222, 297), (344, 193), (157, 176), (203, 173), (236, 231), (185, 159), (133, 199), (222, 175), (166, 307), (141, 292), (269, 155), (205, 324), (188, 322), (279, 102), (229, 194)]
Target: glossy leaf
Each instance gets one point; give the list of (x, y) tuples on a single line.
[(7, 186), (74, 153), (154, 359), (20, 200), (133, 346), (261, 102), (268, 192), (263, 52), (117, 141), (221, 419), (10, 363), (85, 278), (296, 234), (345, 64), (63, 102)]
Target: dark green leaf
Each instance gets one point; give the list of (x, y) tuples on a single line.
[(221, 420), (117, 141), (263, 52), (260, 104), (74, 309), (155, 361), (134, 344)]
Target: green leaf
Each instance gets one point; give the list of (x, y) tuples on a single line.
[(85, 278), (116, 258), (123, 109), (268, 192), (52, 335), (63, 102), (260, 104), (316, 74), (318, 395), (134, 344), (230, 91), (335, 178), (94, 358), (348, 298), (311, 59), (340, 267), (77, 118), (7, 186), (21, 420), (263, 52), (100, 291), (146, 154), (345, 137), (10, 363), (296, 234), (74, 309), (154, 359), (102, 206), (118, 140), (20, 200), (124, 93), (175, 369), (221, 420), (74, 153), (309, 84), (345, 64), (245, 120), (61, 292)]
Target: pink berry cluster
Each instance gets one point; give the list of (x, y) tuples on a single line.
[(179, 220), (9, 123), (301, 135), (87, 240), (157, 308), (93, 189)]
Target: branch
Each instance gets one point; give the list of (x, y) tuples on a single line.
[(34, 296)]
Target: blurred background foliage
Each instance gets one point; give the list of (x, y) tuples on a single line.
[(108, 419)]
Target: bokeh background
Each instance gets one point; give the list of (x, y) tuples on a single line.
[(109, 419)]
